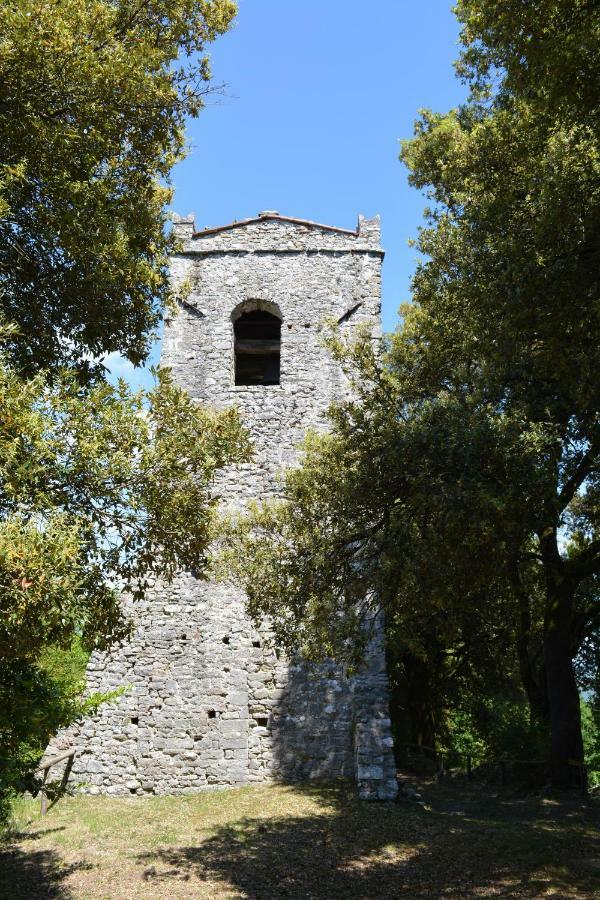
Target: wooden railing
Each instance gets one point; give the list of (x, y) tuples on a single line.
[(45, 768)]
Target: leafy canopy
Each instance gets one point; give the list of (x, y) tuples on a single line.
[(101, 491), (461, 482), (93, 100)]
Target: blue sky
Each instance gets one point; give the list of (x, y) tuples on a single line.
[(318, 95)]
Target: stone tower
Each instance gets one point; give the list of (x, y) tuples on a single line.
[(210, 702)]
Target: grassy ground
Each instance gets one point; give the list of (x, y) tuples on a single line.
[(310, 841)]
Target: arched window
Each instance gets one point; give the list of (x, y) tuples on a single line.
[(257, 347)]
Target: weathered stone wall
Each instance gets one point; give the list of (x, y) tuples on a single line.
[(210, 703)]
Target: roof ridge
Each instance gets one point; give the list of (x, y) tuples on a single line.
[(261, 217)]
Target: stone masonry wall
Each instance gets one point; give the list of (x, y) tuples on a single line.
[(210, 702)]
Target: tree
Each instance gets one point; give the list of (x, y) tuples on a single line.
[(465, 472), (101, 492), (514, 252), (93, 100)]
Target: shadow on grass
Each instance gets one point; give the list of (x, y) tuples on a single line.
[(464, 844), (37, 835), (35, 874), (358, 850)]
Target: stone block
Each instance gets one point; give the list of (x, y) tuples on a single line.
[(369, 773)]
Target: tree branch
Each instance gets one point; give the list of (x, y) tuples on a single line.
[(587, 563), (585, 467)]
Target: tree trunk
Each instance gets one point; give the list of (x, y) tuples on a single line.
[(566, 743), (414, 693), (533, 675), (422, 692)]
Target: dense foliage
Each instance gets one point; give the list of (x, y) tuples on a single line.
[(93, 100), (458, 490), (101, 490), (36, 699)]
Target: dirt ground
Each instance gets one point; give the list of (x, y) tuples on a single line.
[(306, 841)]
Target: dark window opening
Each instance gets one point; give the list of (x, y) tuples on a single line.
[(257, 348), (262, 721), (212, 714), (256, 643), (226, 639), (134, 720)]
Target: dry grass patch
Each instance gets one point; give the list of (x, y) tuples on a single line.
[(305, 841)]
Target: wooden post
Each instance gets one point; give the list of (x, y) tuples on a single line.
[(45, 768), (66, 773), (44, 795)]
